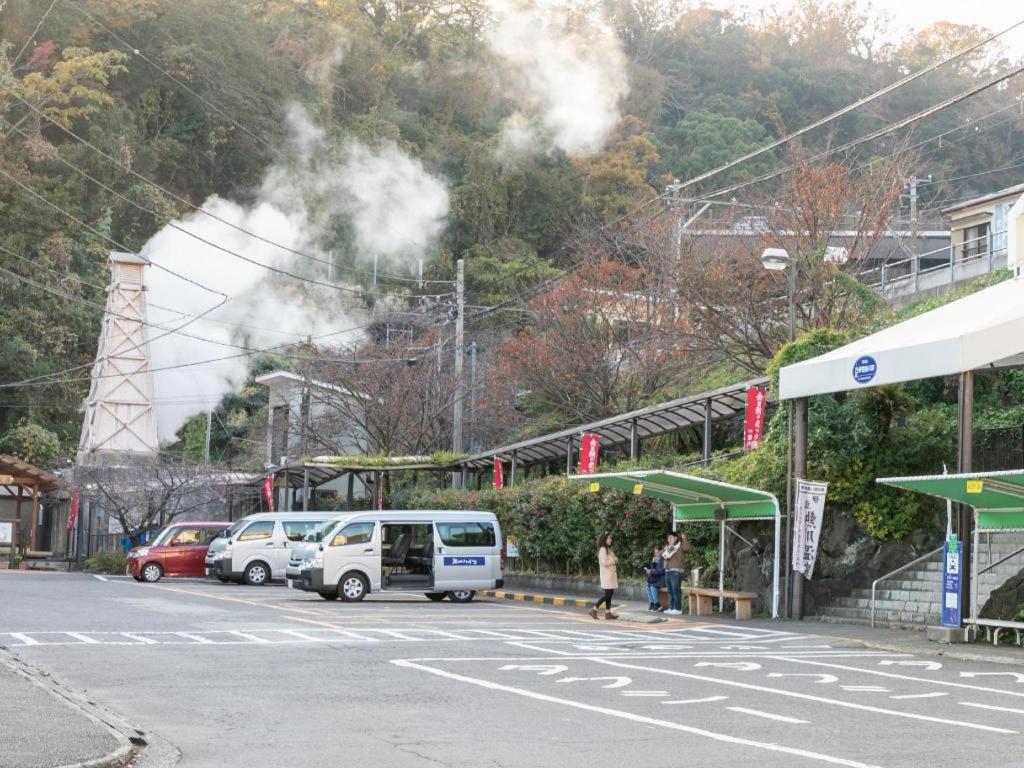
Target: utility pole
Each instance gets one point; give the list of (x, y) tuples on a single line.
[(209, 430), (460, 342), (471, 443), (304, 429)]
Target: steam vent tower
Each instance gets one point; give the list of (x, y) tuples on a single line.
[(120, 425)]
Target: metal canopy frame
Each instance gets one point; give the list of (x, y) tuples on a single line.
[(699, 500), (654, 420), (997, 502)]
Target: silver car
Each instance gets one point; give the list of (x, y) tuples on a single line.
[(306, 551)]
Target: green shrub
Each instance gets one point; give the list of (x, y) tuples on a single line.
[(107, 562)]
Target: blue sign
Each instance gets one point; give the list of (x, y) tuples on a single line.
[(465, 561), (952, 560), (864, 369)]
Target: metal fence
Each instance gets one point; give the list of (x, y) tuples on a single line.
[(996, 449)]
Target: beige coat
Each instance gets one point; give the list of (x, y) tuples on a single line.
[(609, 565)]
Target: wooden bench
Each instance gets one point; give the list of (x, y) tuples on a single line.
[(701, 601)]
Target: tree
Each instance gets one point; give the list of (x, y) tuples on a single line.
[(31, 443)]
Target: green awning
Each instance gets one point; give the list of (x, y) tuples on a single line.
[(692, 498), (998, 497)]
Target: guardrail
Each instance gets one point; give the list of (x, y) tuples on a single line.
[(904, 270), (889, 575)]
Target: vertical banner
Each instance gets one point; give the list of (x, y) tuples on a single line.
[(268, 493), (499, 474), (753, 422), (590, 447), (73, 514), (810, 508), (952, 559)]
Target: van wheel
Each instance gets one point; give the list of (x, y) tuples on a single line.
[(151, 573), (461, 595), (328, 595), (257, 574), (437, 597), (353, 587)]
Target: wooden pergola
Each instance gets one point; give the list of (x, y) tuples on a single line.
[(24, 482)]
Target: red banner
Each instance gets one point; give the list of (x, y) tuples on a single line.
[(753, 423), (73, 515), (590, 447), (499, 475), (268, 493)]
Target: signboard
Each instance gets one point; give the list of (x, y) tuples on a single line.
[(511, 549), (73, 514), (465, 560), (753, 422), (6, 533), (810, 508), (268, 493), (864, 369), (590, 447), (499, 474), (952, 559)]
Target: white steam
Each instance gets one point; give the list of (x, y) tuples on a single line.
[(396, 211), (566, 82)]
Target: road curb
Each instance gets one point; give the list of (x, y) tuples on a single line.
[(948, 652), (526, 597), (129, 739)]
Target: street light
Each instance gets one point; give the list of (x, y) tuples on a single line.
[(776, 260)]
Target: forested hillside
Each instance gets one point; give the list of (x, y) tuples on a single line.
[(392, 133)]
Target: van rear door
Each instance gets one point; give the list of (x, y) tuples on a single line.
[(466, 555)]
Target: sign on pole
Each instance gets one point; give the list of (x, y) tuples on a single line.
[(810, 508), (753, 422), (952, 559), (268, 493), (499, 474), (590, 447), (73, 514)]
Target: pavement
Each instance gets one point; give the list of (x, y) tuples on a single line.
[(229, 675)]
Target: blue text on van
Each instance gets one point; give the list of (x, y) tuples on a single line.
[(465, 561)]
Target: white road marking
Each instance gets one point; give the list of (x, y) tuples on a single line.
[(247, 636), (721, 737), (931, 666), (140, 638), (865, 688), (397, 634), (823, 678), (742, 666), (84, 638), (710, 631), (802, 660), (25, 639), (196, 638), (540, 669), (1018, 676), (645, 693), (993, 707), (798, 695), (932, 695), (300, 635), (697, 701), (97, 576), (617, 682), (767, 715)]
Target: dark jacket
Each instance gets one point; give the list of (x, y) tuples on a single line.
[(656, 573)]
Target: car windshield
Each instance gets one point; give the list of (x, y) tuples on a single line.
[(163, 536), (234, 529), (318, 534)]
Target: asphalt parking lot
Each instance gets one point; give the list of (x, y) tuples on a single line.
[(265, 676)]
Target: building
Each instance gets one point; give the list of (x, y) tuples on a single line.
[(978, 227)]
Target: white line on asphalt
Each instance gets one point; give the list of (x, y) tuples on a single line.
[(993, 707), (705, 700), (645, 693), (25, 639), (932, 695), (84, 638), (247, 636), (501, 635), (865, 688), (722, 737), (196, 638), (452, 635), (768, 715), (797, 695), (734, 635), (300, 635), (929, 681), (97, 576), (395, 633), (143, 640), (632, 656)]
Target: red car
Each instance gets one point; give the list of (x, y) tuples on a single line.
[(177, 550)]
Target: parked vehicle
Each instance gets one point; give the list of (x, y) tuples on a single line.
[(441, 554), (257, 548), (307, 550), (176, 550)]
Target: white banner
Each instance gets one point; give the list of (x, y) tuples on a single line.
[(810, 508)]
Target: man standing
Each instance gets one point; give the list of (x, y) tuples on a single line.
[(675, 550)]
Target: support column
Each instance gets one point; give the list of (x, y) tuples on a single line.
[(707, 431), (34, 530), (634, 441), (350, 492), (799, 473), (568, 455), (514, 470), (965, 463), (17, 538), (721, 564)]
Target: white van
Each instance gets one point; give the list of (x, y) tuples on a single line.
[(256, 549), (440, 554)]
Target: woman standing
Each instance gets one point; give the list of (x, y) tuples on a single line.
[(675, 549), (608, 564)]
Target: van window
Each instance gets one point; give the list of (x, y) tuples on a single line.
[(261, 530), (353, 533), (466, 534), (296, 530)]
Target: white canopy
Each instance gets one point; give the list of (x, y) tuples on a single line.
[(982, 330)]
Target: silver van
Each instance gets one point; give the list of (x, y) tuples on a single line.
[(438, 553), (256, 549), (307, 550)]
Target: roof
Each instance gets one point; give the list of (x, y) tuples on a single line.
[(650, 422), (27, 474), (127, 258), (982, 330), (692, 498), (998, 497), (1018, 188), (287, 377)]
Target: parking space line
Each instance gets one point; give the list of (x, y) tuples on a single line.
[(25, 639), (196, 638), (247, 636), (768, 715), (83, 638), (705, 700), (992, 707), (932, 695), (300, 635), (139, 638), (805, 696), (624, 715)]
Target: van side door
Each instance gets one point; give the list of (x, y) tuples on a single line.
[(465, 554), (356, 547)]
